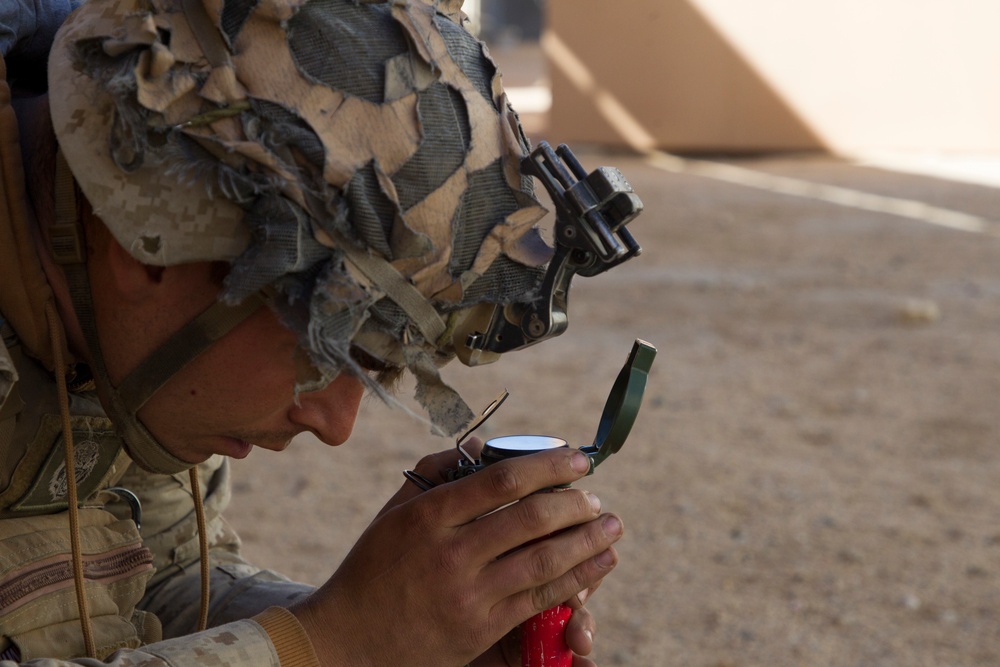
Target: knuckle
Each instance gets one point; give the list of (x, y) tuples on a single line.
[(504, 481), (451, 559), (533, 514), (465, 605), (583, 503), (544, 564), (557, 466), (594, 539), (543, 597), (584, 577), (425, 516), (427, 461)]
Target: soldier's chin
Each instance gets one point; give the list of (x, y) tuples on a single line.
[(234, 447)]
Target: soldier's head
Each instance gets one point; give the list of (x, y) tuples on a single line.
[(341, 176)]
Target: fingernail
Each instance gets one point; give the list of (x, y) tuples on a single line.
[(582, 596), (595, 502), (605, 559), (580, 462), (612, 526), (590, 636)]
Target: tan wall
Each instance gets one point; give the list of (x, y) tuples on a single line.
[(847, 75)]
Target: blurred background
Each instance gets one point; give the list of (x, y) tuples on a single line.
[(813, 477), (722, 75)]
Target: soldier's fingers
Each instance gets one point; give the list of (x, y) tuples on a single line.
[(503, 483), (580, 632), (529, 603), (551, 570), (534, 517), (580, 599)]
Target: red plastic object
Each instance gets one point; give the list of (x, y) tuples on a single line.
[(543, 639)]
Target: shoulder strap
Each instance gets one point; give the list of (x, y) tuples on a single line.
[(10, 397), (24, 290)]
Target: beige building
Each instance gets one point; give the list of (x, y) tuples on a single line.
[(852, 76)]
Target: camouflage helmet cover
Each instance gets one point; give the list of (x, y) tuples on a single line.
[(359, 157)]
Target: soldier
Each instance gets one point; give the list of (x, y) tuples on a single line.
[(241, 216)]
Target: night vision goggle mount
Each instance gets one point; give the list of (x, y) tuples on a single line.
[(592, 211)]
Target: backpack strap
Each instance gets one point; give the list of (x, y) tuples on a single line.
[(24, 289)]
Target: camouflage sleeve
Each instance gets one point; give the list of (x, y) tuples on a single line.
[(243, 643), (169, 530)]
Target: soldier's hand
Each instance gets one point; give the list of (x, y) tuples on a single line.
[(439, 579), (581, 628)]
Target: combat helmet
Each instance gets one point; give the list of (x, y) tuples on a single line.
[(356, 162)]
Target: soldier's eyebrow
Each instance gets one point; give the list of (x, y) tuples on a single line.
[(368, 361), (386, 374)]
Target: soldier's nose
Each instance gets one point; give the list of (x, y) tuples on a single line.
[(330, 413)]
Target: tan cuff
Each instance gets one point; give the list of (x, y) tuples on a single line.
[(290, 640)]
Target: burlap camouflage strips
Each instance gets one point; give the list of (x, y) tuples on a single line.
[(359, 156)]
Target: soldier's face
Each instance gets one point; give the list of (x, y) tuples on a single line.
[(237, 394)]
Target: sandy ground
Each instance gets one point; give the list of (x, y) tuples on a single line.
[(812, 480)]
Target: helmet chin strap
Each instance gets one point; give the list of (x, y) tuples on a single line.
[(123, 402)]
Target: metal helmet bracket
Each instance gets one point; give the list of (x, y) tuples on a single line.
[(592, 211)]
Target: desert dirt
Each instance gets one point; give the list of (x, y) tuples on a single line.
[(813, 477)]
